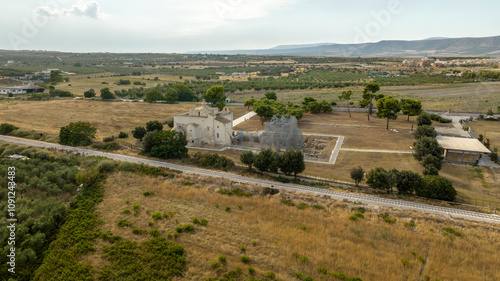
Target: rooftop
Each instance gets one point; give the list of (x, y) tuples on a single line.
[(462, 144)]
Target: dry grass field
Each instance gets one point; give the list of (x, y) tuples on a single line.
[(289, 240), (108, 117), (490, 129)]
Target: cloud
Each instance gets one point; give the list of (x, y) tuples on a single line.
[(90, 9)]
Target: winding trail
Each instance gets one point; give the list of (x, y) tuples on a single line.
[(337, 195)]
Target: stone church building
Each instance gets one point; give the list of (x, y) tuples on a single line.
[(206, 126)]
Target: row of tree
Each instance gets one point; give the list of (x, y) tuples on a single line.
[(426, 148), (406, 182), (289, 162)]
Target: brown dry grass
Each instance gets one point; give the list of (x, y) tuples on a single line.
[(368, 248), (108, 117), (489, 129)]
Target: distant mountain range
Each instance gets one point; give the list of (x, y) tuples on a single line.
[(437, 46)]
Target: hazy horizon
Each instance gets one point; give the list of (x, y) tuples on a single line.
[(176, 26)]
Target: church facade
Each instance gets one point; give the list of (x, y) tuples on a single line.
[(206, 126)]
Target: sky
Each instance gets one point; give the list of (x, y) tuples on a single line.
[(177, 26)]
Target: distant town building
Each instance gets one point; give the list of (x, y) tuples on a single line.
[(205, 125), (26, 88)]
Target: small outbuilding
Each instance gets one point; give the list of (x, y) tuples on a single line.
[(462, 150)]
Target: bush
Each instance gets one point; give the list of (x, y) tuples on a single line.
[(148, 193), (154, 232), (303, 259), (122, 135), (245, 259), (204, 222), (287, 203), (106, 146), (126, 211), (228, 209), (251, 270), (196, 221), (222, 259), (213, 161), (302, 206), (187, 227), (139, 231), (106, 166), (6, 128), (236, 191), (108, 139), (437, 187), (424, 119), (214, 264), (77, 134), (156, 216)]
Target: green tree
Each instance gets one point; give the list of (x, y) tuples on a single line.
[(411, 107), (388, 107), (346, 95), (425, 131), (215, 94), (185, 94), (266, 108), (292, 161), (369, 94), (168, 145), (249, 102), (437, 187), (326, 106), (221, 104), (247, 158), (56, 77), (139, 133), (153, 95), (271, 96), (431, 164), (357, 174), (427, 146), (171, 96), (106, 94), (295, 110), (490, 112), (378, 178), (424, 119), (77, 134), (408, 182), (154, 125), (263, 160), (89, 94)]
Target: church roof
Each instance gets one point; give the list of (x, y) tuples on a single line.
[(222, 120)]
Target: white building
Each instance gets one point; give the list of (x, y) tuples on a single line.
[(206, 125)]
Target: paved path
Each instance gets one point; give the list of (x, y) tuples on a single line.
[(376, 150), (336, 149), (243, 118), (337, 195)]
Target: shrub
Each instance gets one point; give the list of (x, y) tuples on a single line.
[(420, 259), (154, 232), (353, 217), (236, 191), (6, 128), (204, 222), (287, 202), (136, 206), (213, 161), (302, 206), (139, 231), (176, 234), (270, 275), (106, 146), (251, 270), (124, 223), (148, 193), (214, 264), (122, 135), (319, 207), (389, 220), (157, 216), (187, 183), (187, 227), (196, 221), (243, 248), (245, 259), (106, 166), (222, 259), (150, 223), (322, 270), (410, 224), (108, 139), (359, 215), (303, 259), (302, 227), (126, 211), (228, 209), (178, 229), (452, 231)]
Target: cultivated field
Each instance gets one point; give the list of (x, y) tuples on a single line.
[(287, 240)]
